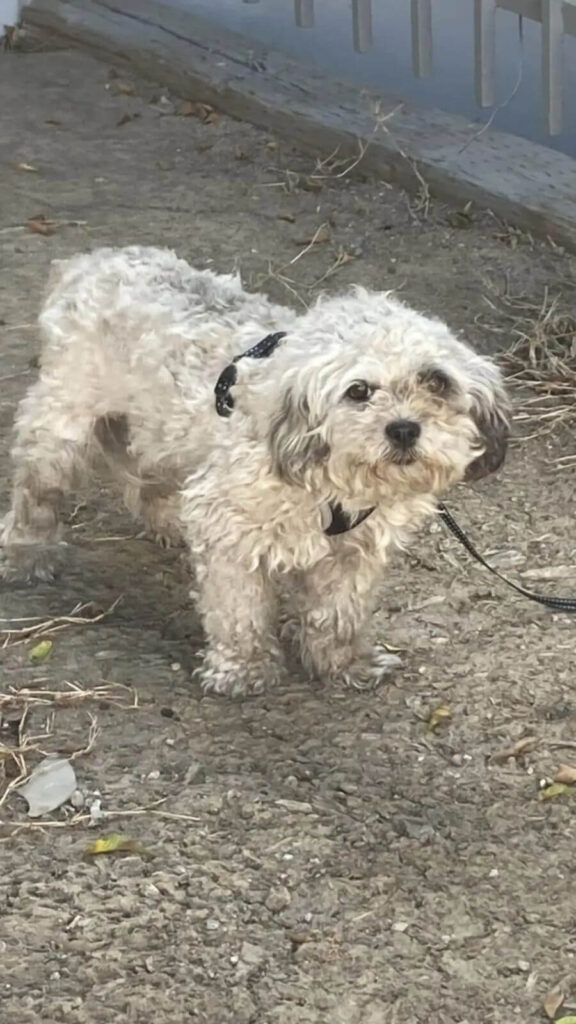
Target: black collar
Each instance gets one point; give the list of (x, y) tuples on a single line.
[(340, 521)]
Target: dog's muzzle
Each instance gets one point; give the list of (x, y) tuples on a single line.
[(402, 436)]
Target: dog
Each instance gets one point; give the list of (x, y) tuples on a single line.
[(308, 460)]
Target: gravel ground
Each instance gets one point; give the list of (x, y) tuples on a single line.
[(318, 856)]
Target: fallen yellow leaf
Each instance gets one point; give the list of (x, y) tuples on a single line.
[(566, 773), (39, 653), (555, 789), (113, 843), (438, 717), (566, 1020)]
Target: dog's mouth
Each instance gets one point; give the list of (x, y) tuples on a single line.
[(403, 458)]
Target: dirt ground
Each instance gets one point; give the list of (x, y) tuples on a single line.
[(318, 856)]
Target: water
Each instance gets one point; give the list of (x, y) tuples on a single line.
[(388, 65)]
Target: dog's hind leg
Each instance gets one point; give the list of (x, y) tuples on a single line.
[(160, 511), (158, 507), (53, 432)]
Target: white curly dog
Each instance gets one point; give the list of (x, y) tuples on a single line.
[(309, 465)]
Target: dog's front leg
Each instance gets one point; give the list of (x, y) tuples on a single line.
[(336, 605), (238, 612)]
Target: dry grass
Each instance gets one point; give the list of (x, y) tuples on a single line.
[(81, 615), (111, 693), (84, 818), (540, 364)]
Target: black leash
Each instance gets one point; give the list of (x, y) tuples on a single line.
[(559, 604)]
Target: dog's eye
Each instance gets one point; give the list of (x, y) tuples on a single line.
[(436, 381), (359, 391)]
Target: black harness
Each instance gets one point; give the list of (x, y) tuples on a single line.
[(229, 375), (341, 521)]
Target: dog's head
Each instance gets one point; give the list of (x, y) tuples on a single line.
[(379, 399)]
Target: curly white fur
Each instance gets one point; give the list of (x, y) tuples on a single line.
[(134, 341)]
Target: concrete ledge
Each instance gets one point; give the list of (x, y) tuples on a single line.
[(524, 183)]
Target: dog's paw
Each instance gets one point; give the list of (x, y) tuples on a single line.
[(32, 563), (236, 680), (166, 539), (368, 672)]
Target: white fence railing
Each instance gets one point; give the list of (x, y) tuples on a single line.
[(557, 17)]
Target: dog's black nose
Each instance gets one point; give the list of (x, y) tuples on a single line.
[(403, 433)]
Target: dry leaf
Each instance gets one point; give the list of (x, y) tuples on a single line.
[(187, 109), (553, 1001), (125, 88), (518, 749), (556, 789), (113, 843), (289, 217), (438, 717), (566, 774), (28, 167), (206, 113), (125, 119), (39, 225), (461, 218), (40, 652)]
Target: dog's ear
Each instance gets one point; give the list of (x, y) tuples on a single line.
[(491, 414), (295, 444)]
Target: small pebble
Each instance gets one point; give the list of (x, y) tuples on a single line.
[(278, 899), (297, 806)]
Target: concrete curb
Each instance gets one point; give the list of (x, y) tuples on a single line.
[(524, 183)]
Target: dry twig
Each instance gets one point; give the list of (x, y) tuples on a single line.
[(77, 617)]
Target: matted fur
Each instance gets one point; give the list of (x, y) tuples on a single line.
[(134, 341)]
